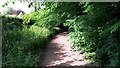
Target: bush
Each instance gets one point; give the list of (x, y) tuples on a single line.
[(22, 46), (93, 28), (97, 32)]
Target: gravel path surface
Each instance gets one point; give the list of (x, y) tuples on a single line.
[(60, 53)]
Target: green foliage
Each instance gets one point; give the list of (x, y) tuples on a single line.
[(98, 32), (22, 46), (42, 18), (9, 23), (93, 28)]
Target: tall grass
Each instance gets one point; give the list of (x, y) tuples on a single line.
[(22, 46)]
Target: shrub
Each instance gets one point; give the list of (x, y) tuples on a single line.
[(22, 46)]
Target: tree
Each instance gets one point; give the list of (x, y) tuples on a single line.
[(9, 10)]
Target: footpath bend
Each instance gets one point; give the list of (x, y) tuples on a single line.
[(60, 53)]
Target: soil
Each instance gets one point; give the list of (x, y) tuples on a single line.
[(59, 52)]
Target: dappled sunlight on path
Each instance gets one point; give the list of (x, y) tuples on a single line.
[(59, 53)]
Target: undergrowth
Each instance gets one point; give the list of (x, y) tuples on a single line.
[(22, 46)]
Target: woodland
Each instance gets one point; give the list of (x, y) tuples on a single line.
[(93, 27)]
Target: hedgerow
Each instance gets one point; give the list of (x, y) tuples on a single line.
[(22, 45)]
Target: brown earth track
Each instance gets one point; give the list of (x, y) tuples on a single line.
[(59, 53)]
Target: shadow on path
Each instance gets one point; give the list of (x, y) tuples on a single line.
[(59, 53)]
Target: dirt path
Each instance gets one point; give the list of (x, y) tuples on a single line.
[(59, 53)]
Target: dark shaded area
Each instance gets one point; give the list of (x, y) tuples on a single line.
[(10, 22), (31, 23), (63, 28)]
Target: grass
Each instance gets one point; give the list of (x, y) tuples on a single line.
[(24, 47)]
